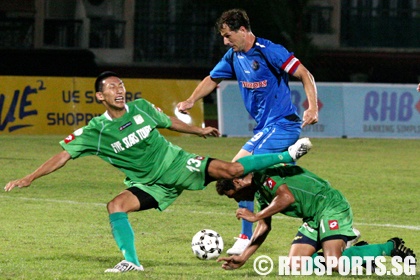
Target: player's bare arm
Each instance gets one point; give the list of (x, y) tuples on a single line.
[(281, 201), (51, 165), (180, 126), (310, 116), (204, 88), (261, 232)]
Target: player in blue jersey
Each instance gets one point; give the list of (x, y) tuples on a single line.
[(262, 69)]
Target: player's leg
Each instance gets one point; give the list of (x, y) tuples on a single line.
[(333, 248), (336, 230), (304, 244), (243, 239), (219, 169), (132, 199), (273, 139), (393, 247)]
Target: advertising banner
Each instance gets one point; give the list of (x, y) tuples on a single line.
[(57, 105), (345, 110)]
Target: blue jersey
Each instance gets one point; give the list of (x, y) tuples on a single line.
[(262, 74)]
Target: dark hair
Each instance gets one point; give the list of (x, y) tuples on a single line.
[(224, 185), (101, 77), (234, 18)]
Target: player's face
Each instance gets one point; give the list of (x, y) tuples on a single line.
[(234, 39), (113, 93), (242, 191)]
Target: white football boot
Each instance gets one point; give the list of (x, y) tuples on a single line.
[(300, 148), (124, 266), (239, 246)]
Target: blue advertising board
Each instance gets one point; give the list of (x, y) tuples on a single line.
[(345, 110)]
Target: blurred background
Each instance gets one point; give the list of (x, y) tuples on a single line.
[(375, 41)]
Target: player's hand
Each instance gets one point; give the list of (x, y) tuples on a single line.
[(243, 213), (232, 262), (310, 116), (184, 106), (209, 131), (20, 183)]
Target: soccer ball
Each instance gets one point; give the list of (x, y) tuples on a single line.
[(207, 244)]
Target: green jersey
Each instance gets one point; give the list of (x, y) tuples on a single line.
[(131, 143), (314, 197)]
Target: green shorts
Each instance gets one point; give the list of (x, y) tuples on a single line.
[(331, 225), (187, 172)]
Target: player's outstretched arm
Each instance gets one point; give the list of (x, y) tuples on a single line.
[(180, 126), (204, 88), (51, 165), (261, 232)]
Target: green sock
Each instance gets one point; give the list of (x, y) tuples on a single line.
[(124, 236), (258, 162), (371, 250)]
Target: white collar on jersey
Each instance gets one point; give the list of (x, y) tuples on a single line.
[(109, 117)]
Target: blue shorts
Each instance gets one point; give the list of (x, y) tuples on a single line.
[(274, 138)]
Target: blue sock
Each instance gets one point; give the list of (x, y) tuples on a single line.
[(247, 226)]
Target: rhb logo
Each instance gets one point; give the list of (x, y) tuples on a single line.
[(390, 106)]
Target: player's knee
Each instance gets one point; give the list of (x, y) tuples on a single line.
[(114, 205)]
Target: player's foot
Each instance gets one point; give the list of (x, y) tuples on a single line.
[(239, 246), (300, 148), (124, 266), (400, 249), (353, 241)]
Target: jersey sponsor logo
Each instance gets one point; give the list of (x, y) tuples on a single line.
[(333, 224), (124, 126), (69, 138), (253, 85), (138, 119), (131, 139), (199, 157), (255, 65), (157, 108), (270, 183)]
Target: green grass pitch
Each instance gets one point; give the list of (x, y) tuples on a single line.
[(58, 228)]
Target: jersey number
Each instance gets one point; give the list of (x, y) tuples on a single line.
[(193, 165)]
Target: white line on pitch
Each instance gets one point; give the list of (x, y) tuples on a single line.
[(198, 212)]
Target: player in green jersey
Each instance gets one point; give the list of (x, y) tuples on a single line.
[(296, 192), (157, 172)]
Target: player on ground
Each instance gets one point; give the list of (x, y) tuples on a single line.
[(262, 69), (296, 192), (126, 136)]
